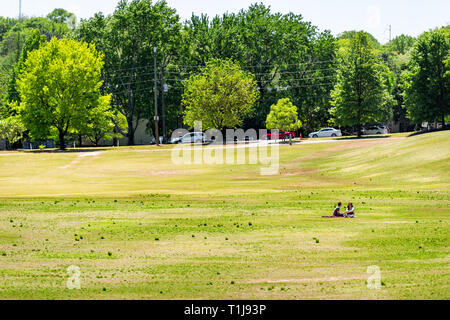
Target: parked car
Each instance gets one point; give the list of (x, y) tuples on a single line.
[(191, 137), (375, 130), (326, 132), (281, 135)]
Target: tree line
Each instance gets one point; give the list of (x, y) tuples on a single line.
[(96, 79)]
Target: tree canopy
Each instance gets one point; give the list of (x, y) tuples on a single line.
[(59, 88), (128, 38), (349, 80), (11, 129), (63, 16), (221, 96), (401, 44), (427, 81), (283, 116), (361, 95)]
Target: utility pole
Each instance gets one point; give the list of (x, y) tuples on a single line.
[(155, 91), (163, 104), (390, 33), (18, 31)]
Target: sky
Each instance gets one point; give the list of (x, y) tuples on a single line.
[(404, 16)]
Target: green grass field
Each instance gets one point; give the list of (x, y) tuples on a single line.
[(140, 227)]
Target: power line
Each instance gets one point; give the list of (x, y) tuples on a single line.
[(242, 66), (279, 88), (268, 81), (150, 71)]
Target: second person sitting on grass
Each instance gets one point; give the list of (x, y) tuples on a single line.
[(350, 212)]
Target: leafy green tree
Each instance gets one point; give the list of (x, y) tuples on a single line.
[(5, 25), (361, 94), (102, 124), (310, 83), (397, 64), (127, 39), (273, 46), (278, 51), (283, 116), (221, 96), (59, 88), (287, 55), (427, 81), (401, 44), (350, 35), (11, 129), (63, 16), (14, 36), (17, 35), (34, 41)]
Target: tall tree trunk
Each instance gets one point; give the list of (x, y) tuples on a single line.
[(130, 132), (358, 128), (443, 121), (62, 141)]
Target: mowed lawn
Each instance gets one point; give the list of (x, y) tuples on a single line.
[(140, 227)]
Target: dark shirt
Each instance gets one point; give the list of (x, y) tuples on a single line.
[(337, 212)]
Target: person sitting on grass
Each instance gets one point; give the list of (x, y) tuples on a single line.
[(337, 211), (350, 212)]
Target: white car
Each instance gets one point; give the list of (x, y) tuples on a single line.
[(375, 130), (326, 132), (191, 137)]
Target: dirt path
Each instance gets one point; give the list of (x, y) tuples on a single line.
[(79, 158)]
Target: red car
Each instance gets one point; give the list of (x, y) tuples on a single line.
[(281, 135)]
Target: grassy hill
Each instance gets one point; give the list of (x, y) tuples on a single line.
[(139, 226)]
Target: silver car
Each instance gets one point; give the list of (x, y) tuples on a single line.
[(326, 132), (375, 130), (191, 137)]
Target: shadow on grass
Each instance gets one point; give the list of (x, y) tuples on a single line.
[(364, 137), (418, 133), (77, 150)]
